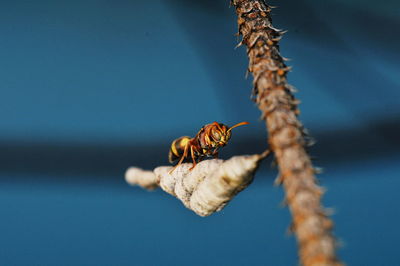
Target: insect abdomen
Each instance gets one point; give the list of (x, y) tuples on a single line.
[(177, 148)]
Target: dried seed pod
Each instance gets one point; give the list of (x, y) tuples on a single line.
[(140, 177), (205, 189)]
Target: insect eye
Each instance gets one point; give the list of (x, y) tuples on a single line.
[(216, 135)]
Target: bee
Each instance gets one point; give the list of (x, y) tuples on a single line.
[(205, 144)]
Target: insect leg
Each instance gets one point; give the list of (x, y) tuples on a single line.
[(193, 158), (215, 154), (185, 153)]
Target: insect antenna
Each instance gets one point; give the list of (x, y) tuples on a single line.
[(238, 125)]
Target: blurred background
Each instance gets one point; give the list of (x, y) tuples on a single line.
[(89, 88)]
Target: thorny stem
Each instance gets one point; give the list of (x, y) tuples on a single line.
[(287, 137)]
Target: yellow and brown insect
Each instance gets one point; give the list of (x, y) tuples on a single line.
[(205, 144)]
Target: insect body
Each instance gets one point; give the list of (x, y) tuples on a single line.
[(206, 143)]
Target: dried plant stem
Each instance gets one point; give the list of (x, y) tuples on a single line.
[(287, 138)]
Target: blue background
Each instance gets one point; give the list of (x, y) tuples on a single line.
[(89, 88)]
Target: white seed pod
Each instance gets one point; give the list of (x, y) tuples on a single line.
[(140, 177), (205, 189)]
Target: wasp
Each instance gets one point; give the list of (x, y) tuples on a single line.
[(205, 144)]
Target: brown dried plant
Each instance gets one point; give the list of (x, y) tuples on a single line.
[(287, 137)]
